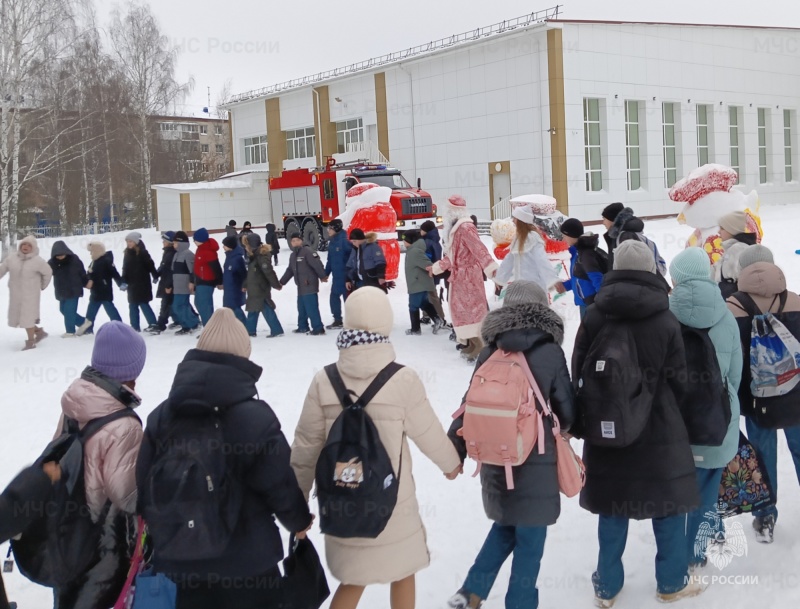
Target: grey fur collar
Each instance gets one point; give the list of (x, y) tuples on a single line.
[(522, 317)]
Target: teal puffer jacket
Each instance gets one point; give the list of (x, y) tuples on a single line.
[(698, 303)]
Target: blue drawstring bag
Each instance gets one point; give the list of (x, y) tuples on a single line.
[(154, 591)]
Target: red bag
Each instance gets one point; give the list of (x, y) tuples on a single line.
[(126, 595)]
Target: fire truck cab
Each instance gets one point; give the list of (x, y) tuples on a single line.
[(308, 199)]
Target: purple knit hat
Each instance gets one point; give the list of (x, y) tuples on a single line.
[(119, 352)]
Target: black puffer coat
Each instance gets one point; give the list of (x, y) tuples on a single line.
[(137, 269), (259, 459), (69, 274), (101, 273), (165, 271), (538, 332), (655, 476)]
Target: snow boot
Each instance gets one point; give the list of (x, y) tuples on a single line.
[(604, 603), (438, 324), (299, 331), (83, 327), (415, 323), (691, 589), (318, 332), (765, 528), (39, 334), (337, 324), (173, 326), (29, 344), (184, 332), (278, 335), (453, 335), (460, 600), (153, 329)]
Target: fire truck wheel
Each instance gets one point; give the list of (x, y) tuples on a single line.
[(311, 233), (290, 227)]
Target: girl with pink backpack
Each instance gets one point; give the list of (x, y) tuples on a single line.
[(523, 507)]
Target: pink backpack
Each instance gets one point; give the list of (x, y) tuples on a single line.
[(502, 425)]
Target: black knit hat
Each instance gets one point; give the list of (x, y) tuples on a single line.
[(611, 212), (230, 242), (336, 225), (357, 233), (428, 226), (572, 227), (294, 235), (232, 223), (180, 237), (411, 236)]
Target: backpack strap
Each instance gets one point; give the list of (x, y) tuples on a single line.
[(345, 395), (746, 303), (784, 296), (545, 404), (95, 425)]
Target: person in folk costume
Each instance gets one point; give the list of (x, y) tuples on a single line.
[(468, 261)]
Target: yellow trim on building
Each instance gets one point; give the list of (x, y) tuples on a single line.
[(382, 113), (276, 138), (186, 212), (558, 138)]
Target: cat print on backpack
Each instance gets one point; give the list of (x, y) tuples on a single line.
[(350, 474)]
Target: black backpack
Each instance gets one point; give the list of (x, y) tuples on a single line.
[(356, 484), (614, 396), (191, 500), (63, 543), (706, 408)]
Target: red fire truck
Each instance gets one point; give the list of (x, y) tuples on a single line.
[(308, 199)]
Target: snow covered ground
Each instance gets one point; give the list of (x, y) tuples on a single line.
[(32, 383)]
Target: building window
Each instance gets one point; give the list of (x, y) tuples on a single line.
[(221, 169), (255, 150), (220, 149), (203, 147), (670, 156), (591, 140), (733, 128), (702, 135), (217, 129), (762, 146), (204, 129), (632, 147), (168, 126), (187, 128), (350, 136), (300, 144), (787, 145)]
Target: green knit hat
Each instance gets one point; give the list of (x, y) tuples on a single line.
[(691, 263)]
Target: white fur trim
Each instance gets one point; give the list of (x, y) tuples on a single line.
[(491, 269), (386, 236), (437, 270), (467, 332), (450, 233)]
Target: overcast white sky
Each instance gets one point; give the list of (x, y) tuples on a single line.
[(258, 43)]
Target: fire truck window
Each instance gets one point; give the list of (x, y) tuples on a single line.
[(349, 183), (327, 188)]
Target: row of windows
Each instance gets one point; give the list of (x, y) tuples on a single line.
[(670, 132), (301, 143), (189, 128), (219, 148)]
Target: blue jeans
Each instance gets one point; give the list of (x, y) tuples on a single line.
[(708, 481), (182, 312), (239, 314), (204, 301), (765, 441), (108, 307), (271, 318), (308, 310), (672, 565), (527, 545), (133, 309), (69, 309), (336, 305)]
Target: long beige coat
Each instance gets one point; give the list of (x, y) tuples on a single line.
[(28, 275), (401, 409)]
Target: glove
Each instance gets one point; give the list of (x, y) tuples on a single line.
[(123, 287), (389, 285)]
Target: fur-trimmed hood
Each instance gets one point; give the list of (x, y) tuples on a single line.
[(626, 222), (371, 237), (510, 326)]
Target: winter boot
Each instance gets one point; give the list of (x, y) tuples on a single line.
[(691, 589), (461, 600), (184, 332), (173, 326), (337, 324), (425, 320), (29, 344), (68, 335), (83, 327), (604, 603), (317, 332), (153, 329), (415, 323), (765, 528), (39, 334), (453, 335), (438, 324)]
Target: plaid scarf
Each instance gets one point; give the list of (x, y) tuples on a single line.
[(350, 338)]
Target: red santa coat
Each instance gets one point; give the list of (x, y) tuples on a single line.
[(467, 260)]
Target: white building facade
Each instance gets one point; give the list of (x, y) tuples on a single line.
[(589, 112)]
